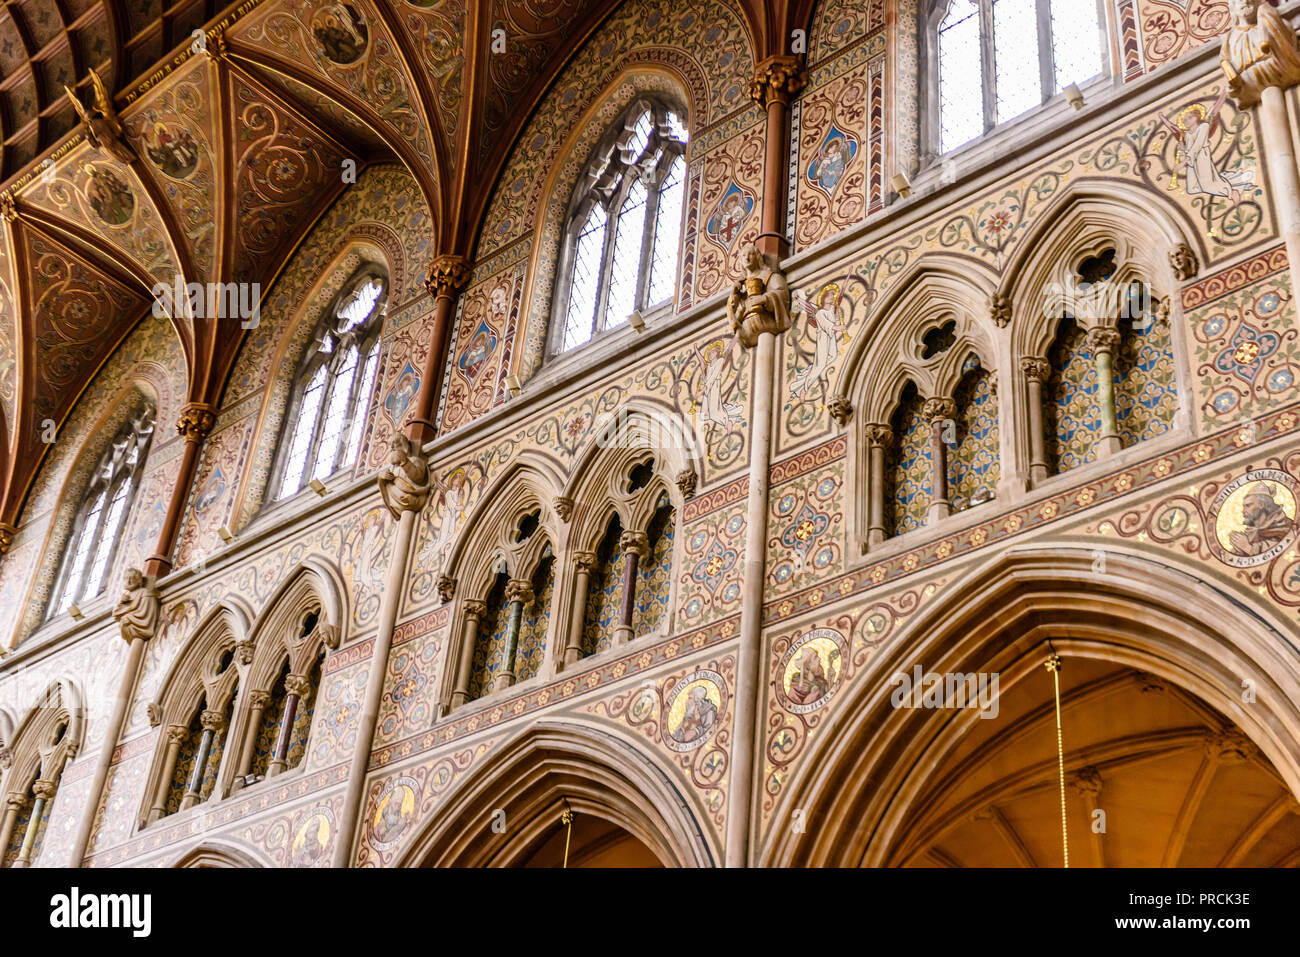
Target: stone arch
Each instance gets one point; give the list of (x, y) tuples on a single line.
[(1148, 612), (533, 777), (313, 585), (215, 853), (196, 676), (147, 388)]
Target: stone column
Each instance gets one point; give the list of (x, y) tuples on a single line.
[(15, 801), (1103, 343), (474, 611), (212, 721), (878, 438), (1037, 371), (296, 688), (633, 546), (258, 702), (404, 484), (519, 592), (176, 734), (44, 792), (759, 311), (195, 422), (583, 564), (137, 613), (939, 412), (448, 275), (776, 80)]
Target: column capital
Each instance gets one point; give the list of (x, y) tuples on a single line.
[(299, 685), (212, 721), (176, 733), (776, 79), (632, 541), (1036, 368), (448, 275), (44, 789), (1258, 51), (877, 434), (15, 801), (938, 408), (1103, 340), (259, 700), (475, 608), (584, 561), (196, 421), (520, 590), (7, 533)]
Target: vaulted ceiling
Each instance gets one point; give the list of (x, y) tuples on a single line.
[(234, 145)]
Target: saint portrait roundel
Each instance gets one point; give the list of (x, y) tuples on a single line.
[(312, 839), (693, 709), (393, 812), (811, 670), (1253, 518)]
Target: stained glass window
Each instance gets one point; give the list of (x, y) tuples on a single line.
[(624, 226), (335, 385), (98, 527), (1024, 51)]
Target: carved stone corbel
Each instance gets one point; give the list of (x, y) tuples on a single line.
[(138, 610), (404, 481)]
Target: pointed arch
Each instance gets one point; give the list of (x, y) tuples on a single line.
[(214, 853), (533, 776), (1151, 611)]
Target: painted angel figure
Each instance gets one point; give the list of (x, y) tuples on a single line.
[(1192, 131), (828, 325), (452, 499), (714, 361)]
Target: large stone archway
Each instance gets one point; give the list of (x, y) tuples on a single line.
[(889, 786), (626, 809)]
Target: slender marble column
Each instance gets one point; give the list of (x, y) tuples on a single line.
[(296, 687), (750, 650), (519, 592), (940, 412), (212, 722), (258, 702), (474, 611), (176, 734), (448, 275), (195, 422), (1037, 371), (15, 801), (633, 545), (878, 438), (1103, 343), (44, 792), (583, 564)]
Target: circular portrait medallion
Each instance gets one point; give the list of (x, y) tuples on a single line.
[(811, 670), (1253, 518), (694, 706)]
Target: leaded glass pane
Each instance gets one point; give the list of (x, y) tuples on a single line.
[(302, 433), (961, 98), (357, 307), (640, 135), (626, 264), (1017, 81), (112, 524), (585, 279), (363, 404), (668, 227), (336, 416), (1076, 42), (89, 528)]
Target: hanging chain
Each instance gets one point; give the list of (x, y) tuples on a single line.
[(567, 820), (1053, 665)]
